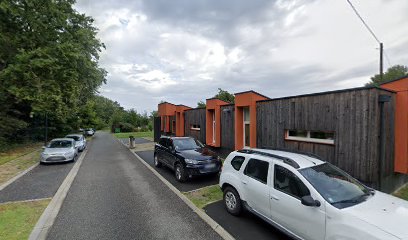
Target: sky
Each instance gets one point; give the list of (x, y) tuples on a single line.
[(182, 51)]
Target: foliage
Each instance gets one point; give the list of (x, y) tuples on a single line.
[(48, 66), (222, 95), (205, 196), (225, 96), (201, 104), (394, 72), (148, 134)]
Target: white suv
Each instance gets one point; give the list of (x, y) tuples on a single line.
[(308, 198)]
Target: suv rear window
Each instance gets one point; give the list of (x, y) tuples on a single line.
[(257, 169), (163, 142), (237, 162)]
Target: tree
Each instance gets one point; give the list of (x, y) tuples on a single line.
[(201, 104), (225, 96), (49, 57), (394, 72)]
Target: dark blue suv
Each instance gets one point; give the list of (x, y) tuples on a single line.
[(186, 156)]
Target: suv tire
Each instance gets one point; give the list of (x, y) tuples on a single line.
[(157, 163), (232, 201), (180, 173)]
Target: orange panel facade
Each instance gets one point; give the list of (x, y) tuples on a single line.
[(180, 119), (245, 118), (213, 121), (401, 123), (165, 111)]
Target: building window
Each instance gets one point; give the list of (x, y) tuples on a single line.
[(310, 136), (195, 127), (247, 128)]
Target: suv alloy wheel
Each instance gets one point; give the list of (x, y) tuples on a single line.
[(156, 162), (180, 173), (232, 201)]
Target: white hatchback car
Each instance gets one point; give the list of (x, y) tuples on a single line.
[(308, 198)]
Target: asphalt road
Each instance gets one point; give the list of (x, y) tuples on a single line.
[(41, 182), (245, 227), (114, 196), (193, 183)]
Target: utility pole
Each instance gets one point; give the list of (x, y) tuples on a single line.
[(46, 129), (381, 61)]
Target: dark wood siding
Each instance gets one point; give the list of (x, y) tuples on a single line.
[(228, 127), (195, 117), (354, 117)]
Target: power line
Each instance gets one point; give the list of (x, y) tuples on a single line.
[(362, 20), (388, 59)]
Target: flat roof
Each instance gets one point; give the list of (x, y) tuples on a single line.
[(327, 92), (252, 91)]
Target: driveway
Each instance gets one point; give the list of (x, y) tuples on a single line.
[(194, 183), (41, 182), (114, 196)]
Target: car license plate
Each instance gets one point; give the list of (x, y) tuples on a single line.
[(209, 166)]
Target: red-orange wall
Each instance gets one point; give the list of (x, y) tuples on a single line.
[(246, 99), (213, 104), (401, 123)]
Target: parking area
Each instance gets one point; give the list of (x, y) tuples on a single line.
[(41, 182), (192, 184), (246, 226)]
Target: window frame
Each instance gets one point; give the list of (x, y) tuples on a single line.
[(235, 157), (195, 127), (308, 138), (259, 180), (273, 183)]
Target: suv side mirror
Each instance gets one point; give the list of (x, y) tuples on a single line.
[(309, 201)]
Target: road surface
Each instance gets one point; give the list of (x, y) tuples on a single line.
[(114, 196)]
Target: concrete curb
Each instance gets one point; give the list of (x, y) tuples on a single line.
[(213, 224), (49, 215), (11, 180)]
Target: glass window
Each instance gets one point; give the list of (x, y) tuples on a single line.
[(246, 114), (60, 144), (186, 144), (237, 162), (163, 142), (287, 182), (336, 186), (297, 133), (247, 134), (310, 136), (257, 169)]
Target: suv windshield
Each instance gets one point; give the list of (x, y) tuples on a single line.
[(336, 186), (186, 144), (76, 138), (60, 144)]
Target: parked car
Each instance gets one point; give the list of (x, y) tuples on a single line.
[(308, 198), (89, 132), (80, 141), (186, 156), (59, 150)]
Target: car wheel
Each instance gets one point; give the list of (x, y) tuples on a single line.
[(232, 201), (156, 162), (180, 173)]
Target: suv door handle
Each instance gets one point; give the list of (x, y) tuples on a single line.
[(274, 198), (244, 182)]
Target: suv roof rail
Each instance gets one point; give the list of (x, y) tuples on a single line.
[(296, 151), (286, 160)]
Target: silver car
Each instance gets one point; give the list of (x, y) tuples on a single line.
[(80, 141), (59, 150)]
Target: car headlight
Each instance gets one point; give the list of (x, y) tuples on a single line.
[(191, 161)]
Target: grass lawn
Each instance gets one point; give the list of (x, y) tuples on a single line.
[(12, 167), (135, 134), (403, 193), (18, 219), (18, 151), (205, 196)]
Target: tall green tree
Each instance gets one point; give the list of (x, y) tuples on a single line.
[(225, 96), (48, 61), (394, 72)]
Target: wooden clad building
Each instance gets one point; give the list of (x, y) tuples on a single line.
[(359, 130)]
